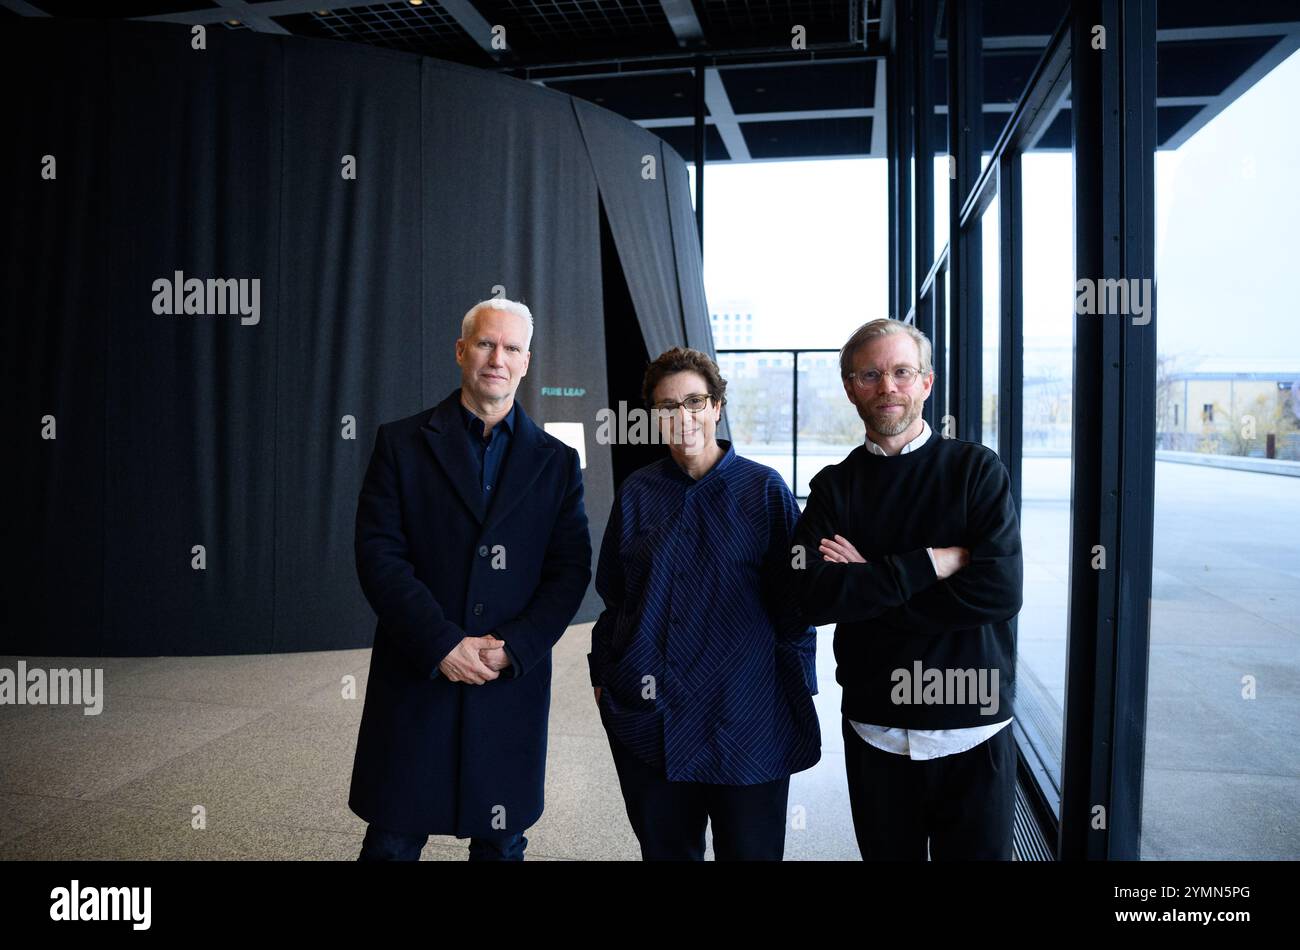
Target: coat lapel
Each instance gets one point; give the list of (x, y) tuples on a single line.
[(529, 454), (443, 430)]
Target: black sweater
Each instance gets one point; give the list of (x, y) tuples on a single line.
[(893, 611)]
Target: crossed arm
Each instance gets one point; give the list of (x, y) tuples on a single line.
[(969, 587), (990, 589), (834, 590)]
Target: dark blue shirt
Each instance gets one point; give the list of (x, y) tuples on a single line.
[(705, 662), (491, 453)]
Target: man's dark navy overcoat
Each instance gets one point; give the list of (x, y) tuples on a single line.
[(450, 758)]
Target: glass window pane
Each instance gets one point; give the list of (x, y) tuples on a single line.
[(829, 427), (945, 373), (1222, 770), (917, 266), (760, 407), (786, 244), (1047, 261), (942, 165)]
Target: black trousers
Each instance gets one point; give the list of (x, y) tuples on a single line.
[(961, 805), (669, 818)]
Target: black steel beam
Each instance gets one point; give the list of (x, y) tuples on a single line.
[(1114, 127), (699, 151), (965, 121), (923, 13), (1011, 363), (902, 139)]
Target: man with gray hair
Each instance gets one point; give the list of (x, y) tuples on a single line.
[(911, 546), (472, 548)]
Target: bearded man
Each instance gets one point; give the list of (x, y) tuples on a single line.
[(911, 546)]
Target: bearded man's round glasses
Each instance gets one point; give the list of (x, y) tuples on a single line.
[(696, 402), (903, 377)]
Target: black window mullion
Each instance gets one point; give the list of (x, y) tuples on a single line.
[(965, 121), (1113, 115), (1011, 359)]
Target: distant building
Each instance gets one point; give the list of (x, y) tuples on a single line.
[(733, 326), (1231, 406)]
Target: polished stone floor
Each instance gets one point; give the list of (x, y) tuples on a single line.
[(264, 745)]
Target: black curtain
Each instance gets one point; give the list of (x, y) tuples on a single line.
[(629, 167), (515, 211), (55, 326), (250, 439), (696, 328), (349, 328)]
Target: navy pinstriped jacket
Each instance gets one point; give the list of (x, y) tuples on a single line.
[(706, 664)]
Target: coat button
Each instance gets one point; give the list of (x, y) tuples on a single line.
[(478, 609), (482, 550)]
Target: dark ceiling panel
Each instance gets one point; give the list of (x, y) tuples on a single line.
[(1017, 17), (658, 96), (1171, 119), (426, 29), (993, 125), (1194, 13), (1206, 67), (682, 138), (552, 31), (1007, 74), (939, 79), (808, 138), (98, 9), (768, 23), (542, 32), (1023, 17), (795, 88), (1058, 135)]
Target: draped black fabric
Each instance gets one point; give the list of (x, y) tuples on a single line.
[(686, 255), (199, 495), (629, 169), (516, 214), (349, 330), (194, 176)]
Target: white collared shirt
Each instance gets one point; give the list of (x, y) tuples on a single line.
[(923, 743)]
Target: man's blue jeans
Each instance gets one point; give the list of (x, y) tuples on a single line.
[(380, 844)]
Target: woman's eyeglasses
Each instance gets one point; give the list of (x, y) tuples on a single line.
[(696, 402)]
